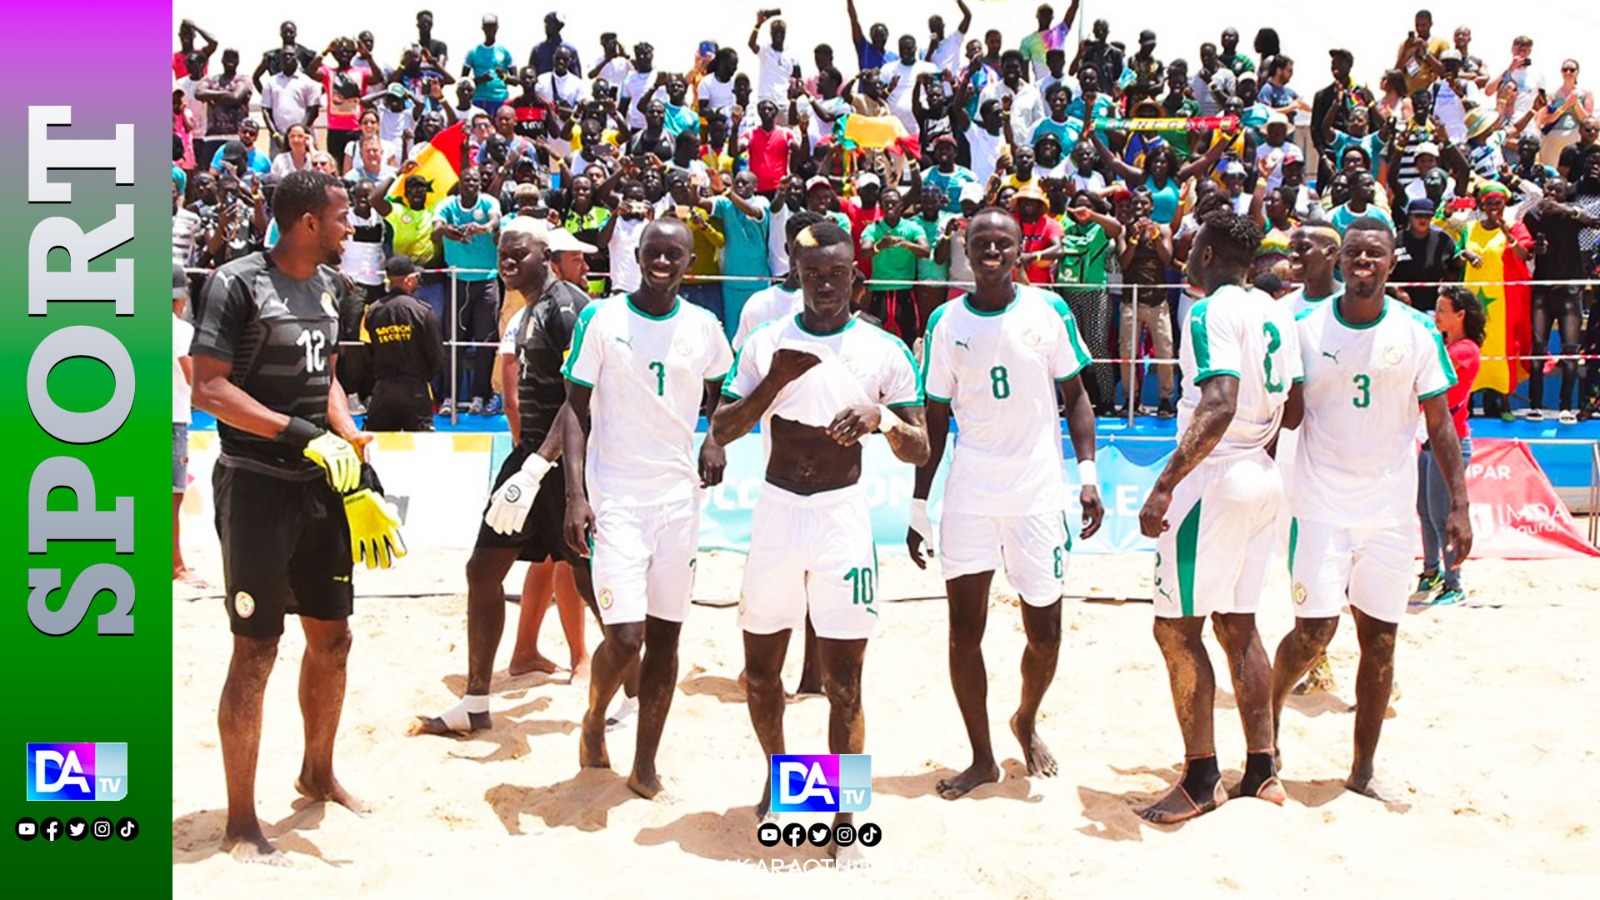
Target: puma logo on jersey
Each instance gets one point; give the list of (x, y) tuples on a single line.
[(1334, 355), (626, 342), (964, 344)]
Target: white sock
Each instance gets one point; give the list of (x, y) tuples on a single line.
[(457, 717), (624, 711)]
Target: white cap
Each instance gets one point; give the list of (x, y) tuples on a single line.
[(867, 179), (973, 192), (1277, 118), (560, 240)]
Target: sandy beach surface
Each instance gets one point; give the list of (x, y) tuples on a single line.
[(1492, 746)]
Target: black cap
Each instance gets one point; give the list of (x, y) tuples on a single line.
[(400, 266)]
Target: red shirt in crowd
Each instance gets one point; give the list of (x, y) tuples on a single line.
[(1036, 237), (769, 156), (1466, 357)]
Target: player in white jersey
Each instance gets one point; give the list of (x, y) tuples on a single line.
[(1000, 359), (767, 305), (818, 383), (1313, 258), (639, 366), (1369, 361), (1313, 255), (1222, 490)]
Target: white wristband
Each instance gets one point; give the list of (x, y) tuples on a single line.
[(1087, 473), (887, 420), (537, 466)]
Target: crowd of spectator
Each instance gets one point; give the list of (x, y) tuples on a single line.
[(1482, 166)]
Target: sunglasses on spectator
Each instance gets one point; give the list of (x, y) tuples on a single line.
[(1569, 68)]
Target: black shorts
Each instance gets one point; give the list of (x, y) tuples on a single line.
[(400, 404), (1559, 300), (541, 536), (285, 549)]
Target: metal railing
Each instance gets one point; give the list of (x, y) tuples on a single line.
[(1139, 361)]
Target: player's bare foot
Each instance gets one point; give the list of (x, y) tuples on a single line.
[(592, 743), (1177, 806), (975, 775), (539, 663), (580, 673), (255, 849), (647, 786), (331, 792), (1040, 762)]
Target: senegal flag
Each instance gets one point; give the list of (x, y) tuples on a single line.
[(1506, 304), (854, 131), (439, 162)]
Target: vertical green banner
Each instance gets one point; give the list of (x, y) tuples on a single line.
[(85, 326)]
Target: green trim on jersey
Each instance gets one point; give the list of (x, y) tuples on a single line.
[(1432, 394), (802, 326), (1074, 337), (1188, 540), (1445, 364), (1373, 324), (1201, 338), (1016, 294), (915, 376), (579, 330), (927, 352), (1294, 541), (677, 303)]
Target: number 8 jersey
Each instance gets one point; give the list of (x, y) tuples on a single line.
[(280, 335), (1247, 334)]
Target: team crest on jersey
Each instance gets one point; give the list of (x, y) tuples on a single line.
[(850, 365), (605, 598), (1300, 593), (328, 306), (682, 346), (480, 215), (1031, 338), (1392, 355), (244, 605)]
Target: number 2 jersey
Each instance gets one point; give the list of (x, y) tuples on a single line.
[(279, 334), (648, 374), (998, 371), (1356, 464), (1247, 334)]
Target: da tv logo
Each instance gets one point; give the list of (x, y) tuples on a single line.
[(821, 782), (93, 772)]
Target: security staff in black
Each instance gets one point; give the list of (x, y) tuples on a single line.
[(407, 352), (528, 506), (264, 352)]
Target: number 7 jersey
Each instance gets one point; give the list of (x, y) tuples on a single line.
[(1357, 459), (648, 374), (1250, 336)]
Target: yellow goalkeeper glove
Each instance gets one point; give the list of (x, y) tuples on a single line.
[(336, 456), (374, 524)]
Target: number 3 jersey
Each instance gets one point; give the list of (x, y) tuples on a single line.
[(1247, 334), (648, 374), (280, 335), (1357, 459), (998, 371)]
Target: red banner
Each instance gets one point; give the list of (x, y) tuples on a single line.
[(1515, 511)]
